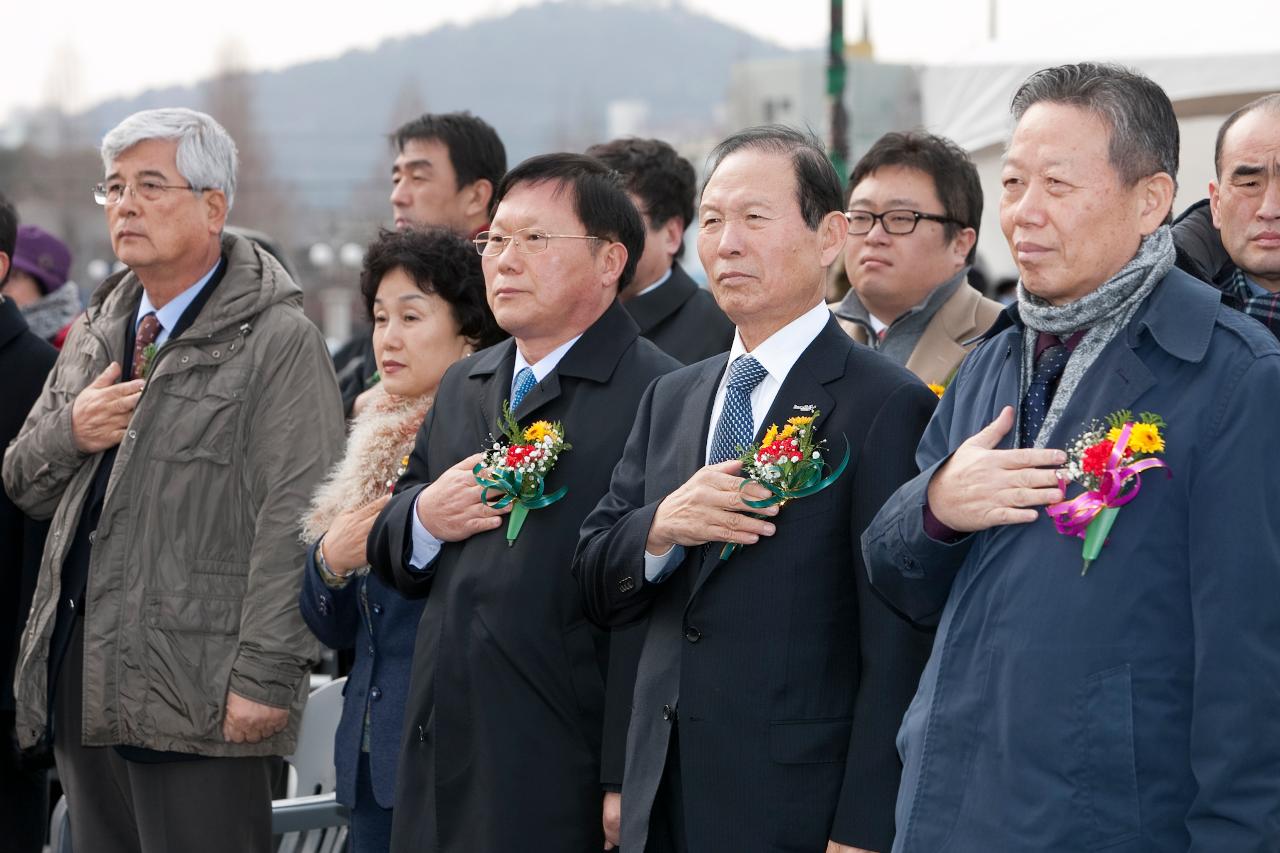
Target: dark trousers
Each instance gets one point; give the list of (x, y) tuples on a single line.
[(121, 806), (24, 807), (666, 820), (370, 822)]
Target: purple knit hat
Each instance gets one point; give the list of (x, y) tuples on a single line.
[(43, 256)]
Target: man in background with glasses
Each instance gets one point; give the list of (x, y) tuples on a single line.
[(176, 444), (505, 714), (914, 205)]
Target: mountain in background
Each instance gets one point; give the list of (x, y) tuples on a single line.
[(544, 76)]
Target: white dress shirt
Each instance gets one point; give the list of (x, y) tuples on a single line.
[(427, 547), (777, 355)]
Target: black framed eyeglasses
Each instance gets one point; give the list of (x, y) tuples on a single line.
[(896, 222)]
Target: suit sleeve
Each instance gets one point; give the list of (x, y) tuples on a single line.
[(910, 569), (390, 545), (609, 563), (1234, 587), (42, 459), (892, 652), (333, 615), (295, 434)]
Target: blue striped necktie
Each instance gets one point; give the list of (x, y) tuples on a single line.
[(523, 385), (736, 427)]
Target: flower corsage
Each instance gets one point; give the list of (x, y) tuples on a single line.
[(788, 462), (1107, 460), (516, 466)]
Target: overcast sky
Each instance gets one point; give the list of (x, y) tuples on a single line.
[(78, 52)]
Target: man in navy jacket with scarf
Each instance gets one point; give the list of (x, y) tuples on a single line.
[(1132, 708)]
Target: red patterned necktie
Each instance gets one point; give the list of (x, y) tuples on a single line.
[(148, 330)]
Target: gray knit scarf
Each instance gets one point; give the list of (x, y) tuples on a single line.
[(1105, 313), (48, 315)]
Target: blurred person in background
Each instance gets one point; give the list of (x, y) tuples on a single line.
[(668, 306), (446, 168), (185, 425), (38, 282), (1232, 238), (424, 292), (25, 361), (914, 205)]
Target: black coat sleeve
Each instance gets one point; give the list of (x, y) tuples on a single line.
[(892, 652), (609, 563)]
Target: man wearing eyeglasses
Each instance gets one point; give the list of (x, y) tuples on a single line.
[(504, 719), (914, 205), (176, 443)]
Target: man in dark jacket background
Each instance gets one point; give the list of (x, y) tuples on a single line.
[(25, 361), (668, 306), (1232, 238)]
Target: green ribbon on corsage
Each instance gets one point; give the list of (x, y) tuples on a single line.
[(807, 480), (511, 485)]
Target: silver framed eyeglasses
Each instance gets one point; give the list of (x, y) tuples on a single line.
[(896, 222), (112, 193), (529, 241)]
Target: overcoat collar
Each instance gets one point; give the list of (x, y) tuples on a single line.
[(652, 308), (594, 358)]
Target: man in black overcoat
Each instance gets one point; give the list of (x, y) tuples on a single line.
[(771, 685), (504, 720), (25, 362)]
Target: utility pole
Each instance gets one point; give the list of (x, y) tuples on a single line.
[(835, 91)]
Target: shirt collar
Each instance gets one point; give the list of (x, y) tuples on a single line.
[(173, 309), (657, 283), (544, 365), (780, 351)]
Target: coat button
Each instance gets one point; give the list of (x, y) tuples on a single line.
[(668, 712), (422, 734), (324, 606), (371, 648), (692, 634), (626, 585), (377, 609), (375, 693), (93, 536)]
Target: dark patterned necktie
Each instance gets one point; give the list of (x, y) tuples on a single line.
[(736, 426), (1044, 378), (524, 384), (148, 331)]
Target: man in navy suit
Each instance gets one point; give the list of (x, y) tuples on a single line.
[(1132, 708), (770, 686)]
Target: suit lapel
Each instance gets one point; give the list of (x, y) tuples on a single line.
[(493, 368), (698, 404)]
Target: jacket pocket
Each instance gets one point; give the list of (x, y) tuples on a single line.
[(809, 741), (1110, 779), (191, 644), (200, 417)]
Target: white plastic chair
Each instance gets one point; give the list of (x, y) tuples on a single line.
[(309, 818)]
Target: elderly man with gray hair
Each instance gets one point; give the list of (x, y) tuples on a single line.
[(1119, 692), (188, 418)]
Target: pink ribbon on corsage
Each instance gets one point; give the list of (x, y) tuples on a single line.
[(1072, 517)]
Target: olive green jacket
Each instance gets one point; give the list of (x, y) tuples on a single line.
[(196, 564)]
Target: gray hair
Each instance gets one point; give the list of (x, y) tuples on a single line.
[(1144, 129), (1270, 103), (206, 152)]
